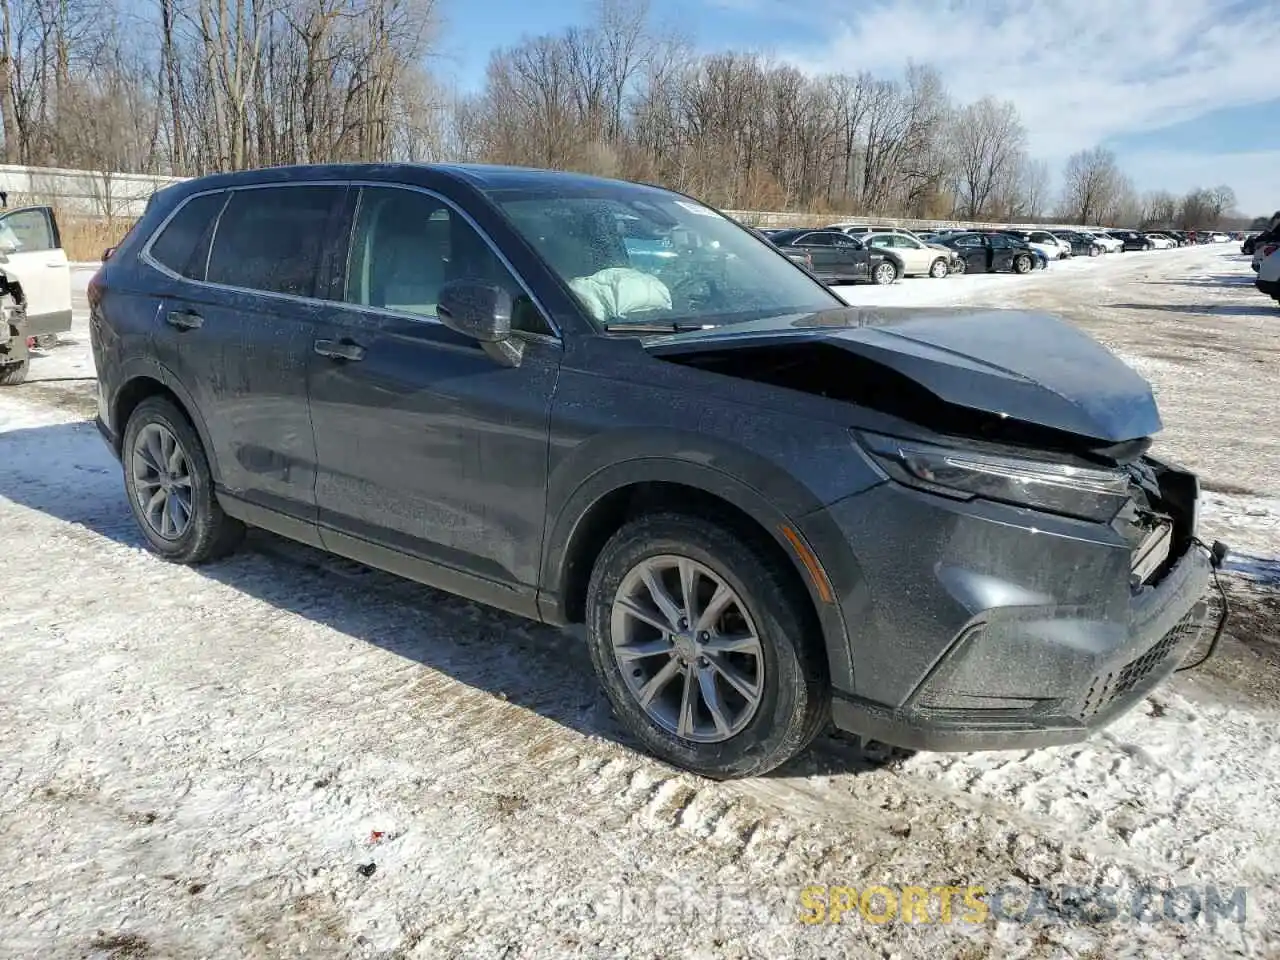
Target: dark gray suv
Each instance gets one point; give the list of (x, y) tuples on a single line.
[(598, 403)]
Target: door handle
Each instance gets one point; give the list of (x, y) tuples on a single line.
[(343, 349), (184, 319), (55, 265)]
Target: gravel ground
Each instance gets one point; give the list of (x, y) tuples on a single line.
[(286, 753)]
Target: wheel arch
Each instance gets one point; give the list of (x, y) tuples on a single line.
[(153, 382), (611, 497)]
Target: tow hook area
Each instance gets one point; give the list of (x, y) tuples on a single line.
[(1217, 555)]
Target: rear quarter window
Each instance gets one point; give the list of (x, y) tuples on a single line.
[(183, 244)]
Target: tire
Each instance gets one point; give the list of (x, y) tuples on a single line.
[(794, 695), (1094, 251), (939, 269), (47, 341), (208, 532), (1022, 264), (12, 374), (884, 274), (959, 269)]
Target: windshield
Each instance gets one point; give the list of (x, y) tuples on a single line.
[(633, 254)]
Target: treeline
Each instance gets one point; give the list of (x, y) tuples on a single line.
[(191, 86)]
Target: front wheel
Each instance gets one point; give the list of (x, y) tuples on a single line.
[(958, 267), (1022, 264), (884, 273), (939, 269), (1094, 251), (700, 638)]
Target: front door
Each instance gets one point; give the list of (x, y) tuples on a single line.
[(31, 256), (426, 445)]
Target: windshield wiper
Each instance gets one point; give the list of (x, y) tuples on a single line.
[(652, 326)]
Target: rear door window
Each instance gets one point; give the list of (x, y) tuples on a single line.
[(271, 238), (183, 243)]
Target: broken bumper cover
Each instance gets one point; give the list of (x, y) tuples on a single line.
[(999, 635)]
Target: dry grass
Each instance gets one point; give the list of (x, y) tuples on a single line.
[(84, 238)]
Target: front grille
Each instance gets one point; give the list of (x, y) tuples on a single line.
[(1106, 688)]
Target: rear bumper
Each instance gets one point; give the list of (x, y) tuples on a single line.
[(1270, 287), (997, 628)]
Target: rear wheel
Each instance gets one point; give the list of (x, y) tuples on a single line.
[(939, 269), (1094, 251), (698, 635), (1022, 264), (884, 273), (170, 486)]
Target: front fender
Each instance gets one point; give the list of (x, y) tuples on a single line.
[(566, 519)]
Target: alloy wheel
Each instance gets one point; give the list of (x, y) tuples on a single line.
[(886, 273), (687, 649), (162, 481), (939, 269)]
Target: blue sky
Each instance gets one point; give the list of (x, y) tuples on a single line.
[(1183, 90)]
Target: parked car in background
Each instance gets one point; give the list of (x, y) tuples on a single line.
[(1269, 274), (988, 252), (1082, 245), (1219, 237), (1132, 239), (1262, 250), (1044, 241), (1160, 241), (918, 258), (35, 287), (1110, 244), (1246, 245), (839, 258)]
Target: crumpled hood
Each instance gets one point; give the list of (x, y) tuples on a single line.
[(1028, 366)]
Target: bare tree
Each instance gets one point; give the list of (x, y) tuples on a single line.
[(987, 141), (1091, 186)]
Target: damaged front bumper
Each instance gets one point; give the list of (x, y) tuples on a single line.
[(996, 627)]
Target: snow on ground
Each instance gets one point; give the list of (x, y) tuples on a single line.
[(286, 753)]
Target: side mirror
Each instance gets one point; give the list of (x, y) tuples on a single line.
[(481, 311)]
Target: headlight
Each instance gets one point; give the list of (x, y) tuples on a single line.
[(1090, 493)]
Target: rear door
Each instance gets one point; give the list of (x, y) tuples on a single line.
[(236, 327), (821, 251), (31, 256), (974, 252), (852, 260), (1003, 250)]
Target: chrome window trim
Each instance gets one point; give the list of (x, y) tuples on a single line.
[(145, 254)]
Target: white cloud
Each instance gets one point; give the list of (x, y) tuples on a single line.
[(1080, 71)]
